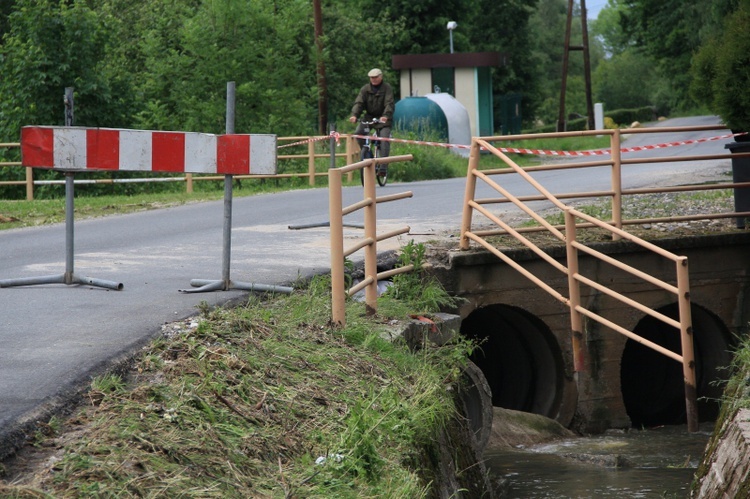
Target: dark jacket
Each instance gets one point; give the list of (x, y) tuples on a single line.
[(375, 103)]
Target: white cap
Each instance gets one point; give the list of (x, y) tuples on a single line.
[(374, 72)]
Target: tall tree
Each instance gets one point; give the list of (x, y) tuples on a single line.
[(670, 32), (506, 27), (353, 46), (483, 25), (627, 81), (424, 22), (607, 27), (6, 7), (52, 45)]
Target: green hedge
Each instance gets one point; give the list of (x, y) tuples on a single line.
[(622, 117)]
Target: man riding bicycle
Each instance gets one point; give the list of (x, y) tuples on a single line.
[(376, 100)]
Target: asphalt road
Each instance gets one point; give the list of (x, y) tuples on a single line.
[(54, 338)]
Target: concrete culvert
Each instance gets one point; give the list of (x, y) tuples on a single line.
[(652, 384), (520, 358), (477, 399)]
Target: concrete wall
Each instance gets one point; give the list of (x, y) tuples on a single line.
[(466, 94), (415, 82), (592, 400)]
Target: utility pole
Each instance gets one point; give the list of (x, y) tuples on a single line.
[(322, 85), (561, 119)]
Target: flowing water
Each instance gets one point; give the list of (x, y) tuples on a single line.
[(653, 463)]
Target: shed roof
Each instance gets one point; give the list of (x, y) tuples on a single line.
[(455, 60)]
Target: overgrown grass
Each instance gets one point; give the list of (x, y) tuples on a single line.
[(419, 291), (737, 391), (265, 400), (633, 206), (582, 143)]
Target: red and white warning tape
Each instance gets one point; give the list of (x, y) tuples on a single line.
[(546, 152), (335, 135), (515, 150)]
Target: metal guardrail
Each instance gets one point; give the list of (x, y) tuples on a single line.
[(313, 159), (568, 235), (369, 242)]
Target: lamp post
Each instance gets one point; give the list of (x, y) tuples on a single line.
[(451, 26)]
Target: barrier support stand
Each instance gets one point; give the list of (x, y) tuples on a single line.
[(226, 284), (69, 276)]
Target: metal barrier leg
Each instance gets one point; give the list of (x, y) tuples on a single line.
[(226, 284), (69, 276)]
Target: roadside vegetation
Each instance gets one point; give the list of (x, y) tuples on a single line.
[(268, 399), (164, 64)]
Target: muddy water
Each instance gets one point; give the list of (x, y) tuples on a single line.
[(654, 463)]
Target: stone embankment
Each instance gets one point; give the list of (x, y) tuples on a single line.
[(725, 469)]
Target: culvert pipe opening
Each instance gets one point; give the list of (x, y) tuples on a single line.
[(519, 356), (652, 385)]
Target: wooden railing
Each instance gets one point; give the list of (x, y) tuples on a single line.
[(368, 242), (568, 234)]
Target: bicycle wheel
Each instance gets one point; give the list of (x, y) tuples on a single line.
[(381, 171), (365, 154)]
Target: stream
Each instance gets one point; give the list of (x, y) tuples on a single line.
[(650, 463)]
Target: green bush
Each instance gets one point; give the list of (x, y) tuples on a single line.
[(627, 116), (622, 116), (575, 125), (430, 162)]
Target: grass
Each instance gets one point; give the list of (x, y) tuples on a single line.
[(656, 205), (265, 400)]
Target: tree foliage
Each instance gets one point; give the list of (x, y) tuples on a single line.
[(52, 45), (721, 70), (626, 81), (670, 32), (164, 64)]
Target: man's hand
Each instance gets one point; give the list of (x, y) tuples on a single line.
[(383, 119), (352, 119)]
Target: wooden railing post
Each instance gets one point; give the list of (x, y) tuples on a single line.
[(471, 184), (336, 220), (311, 161), (29, 183), (352, 155), (686, 340), (616, 181), (371, 250), (574, 292)]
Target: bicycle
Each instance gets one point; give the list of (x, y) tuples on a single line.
[(381, 171)]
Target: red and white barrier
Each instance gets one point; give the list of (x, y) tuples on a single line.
[(97, 149)]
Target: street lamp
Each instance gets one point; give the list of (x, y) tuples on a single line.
[(451, 26)]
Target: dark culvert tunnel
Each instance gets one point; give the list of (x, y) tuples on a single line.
[(652, 384), (519, 357), (523, 364)]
